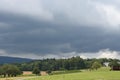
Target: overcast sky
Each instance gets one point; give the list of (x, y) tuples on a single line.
[(60, 28)]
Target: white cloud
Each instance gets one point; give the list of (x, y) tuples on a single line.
[(85, 12), (82, 56), (110, 13), (30, 8), (108, 54)]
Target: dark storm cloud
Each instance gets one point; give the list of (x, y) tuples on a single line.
[(56, 33), (29, 36)]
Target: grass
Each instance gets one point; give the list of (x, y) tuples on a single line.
[(82, 76), (101, 74), (18, 78), (65, 72)]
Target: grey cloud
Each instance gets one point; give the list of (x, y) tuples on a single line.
[(24, 34), (51, 38)]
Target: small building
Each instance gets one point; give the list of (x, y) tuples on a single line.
[(116, 68), (106, 64)]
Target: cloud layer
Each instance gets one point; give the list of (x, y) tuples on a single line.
[(59, 28)]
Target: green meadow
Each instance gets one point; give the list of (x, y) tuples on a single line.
[(82, 76), (100, 74)]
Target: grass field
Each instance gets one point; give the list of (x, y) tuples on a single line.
[(101, 74)]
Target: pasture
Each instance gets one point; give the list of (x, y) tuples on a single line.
[(101, 74)]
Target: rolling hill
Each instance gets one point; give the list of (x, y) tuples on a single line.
[(6, 59)]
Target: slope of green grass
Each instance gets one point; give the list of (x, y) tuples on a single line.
[(101, 74)]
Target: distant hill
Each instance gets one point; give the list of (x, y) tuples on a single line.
[(5, 59)]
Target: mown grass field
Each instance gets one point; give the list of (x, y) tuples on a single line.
[(101, 74)]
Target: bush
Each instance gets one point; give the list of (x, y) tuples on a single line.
[(36, 71), (10, 70), (49, 71), (96, 65)]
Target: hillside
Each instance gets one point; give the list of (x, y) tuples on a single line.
[(5, 59)]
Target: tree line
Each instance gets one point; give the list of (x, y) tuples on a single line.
[(74, 63)]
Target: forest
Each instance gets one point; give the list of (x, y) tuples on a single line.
[(74, 63)]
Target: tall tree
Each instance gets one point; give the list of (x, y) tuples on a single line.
[(10, 70), (114, 63), (96, 65)]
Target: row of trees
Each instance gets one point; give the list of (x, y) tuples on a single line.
[(74, 63), (8, 70), (54, 64)]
